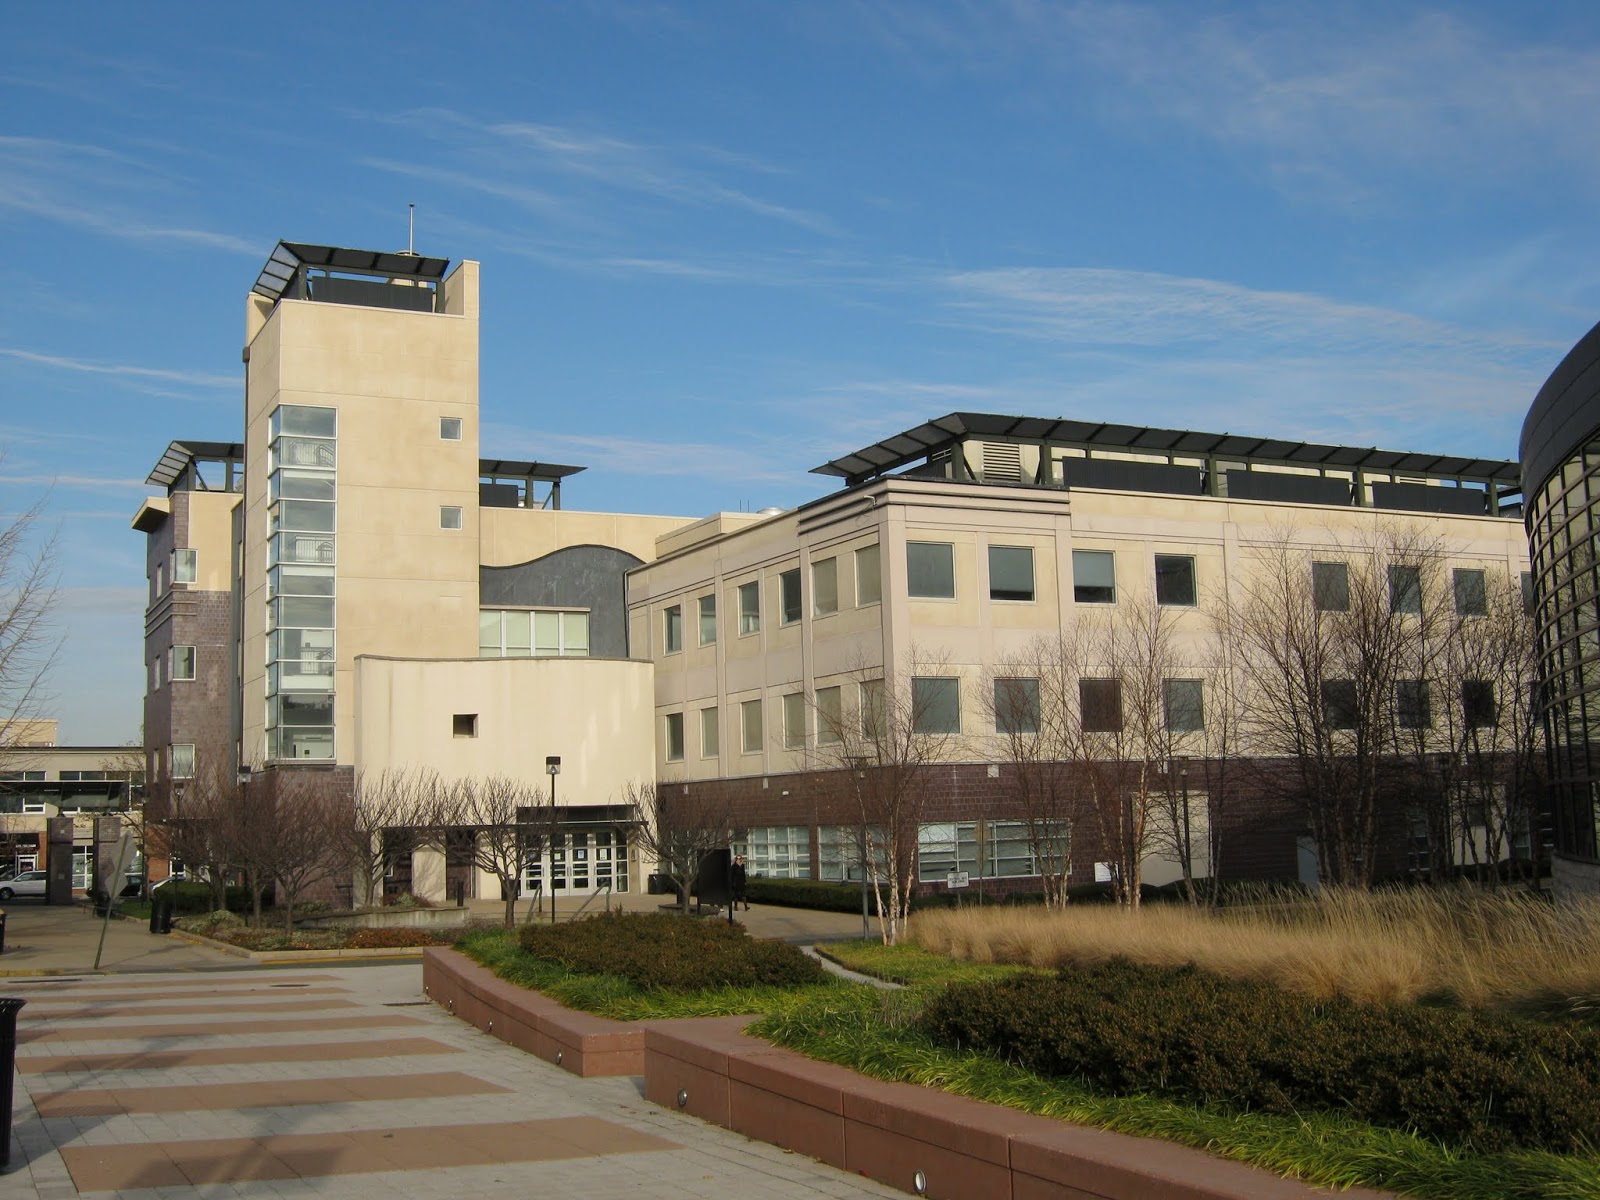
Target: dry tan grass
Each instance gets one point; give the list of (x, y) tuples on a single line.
[(1503, 950)]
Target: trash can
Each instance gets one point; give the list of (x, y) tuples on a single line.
[(102, 902), (169, 905), (9, 1007)]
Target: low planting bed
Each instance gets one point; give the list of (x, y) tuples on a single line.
[(226, 927)]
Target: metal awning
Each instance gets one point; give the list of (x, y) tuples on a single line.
[(288, 259), (176, 458), (508, 469)]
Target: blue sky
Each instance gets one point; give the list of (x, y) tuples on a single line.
[(723, 242)]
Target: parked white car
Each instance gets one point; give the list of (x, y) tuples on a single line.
[(29, 883)]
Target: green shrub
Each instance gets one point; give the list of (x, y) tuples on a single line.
[(1489, 1083), (670, 952), (190, 897)]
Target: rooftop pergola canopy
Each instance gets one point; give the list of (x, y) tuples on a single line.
[(337, 275)]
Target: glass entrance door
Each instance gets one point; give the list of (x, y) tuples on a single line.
[(580, 862)]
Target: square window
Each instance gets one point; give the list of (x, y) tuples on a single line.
[(185, 566), (710, 741), (750, 726), (825, 587), (936, 705), (1412, 708), (450, 429), (931, 570), (708, 619), (789, 604), (1339, 709), (794, 720), (1094, 577), (830, 716), (1478, 708), (869, 576), (1175, 580), (1184, 702), (464, 725), (1330, 586), (674, 732), (672, 620), (749, 608), (1100, 705), (450, 516), (182, 662), (1471, 592), (1016, 706), (1010, 573), (1405, 589)]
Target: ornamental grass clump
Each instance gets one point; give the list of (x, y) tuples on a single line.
[(671, 953), (1475, 1081)]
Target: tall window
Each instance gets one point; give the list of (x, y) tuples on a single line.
[(789, 603), (869, 576), (794, 720), (1100, 705), (1094, 577), (750, 726), (185, 566), (874, 710), (518, 633), (1016, 706), (710, 741), (936, 705), (825, 587), (672, 620), (1175, 580), (1405, 589), (1330, 586), (1339, 709), (1471, 593), (1412, 709), (931, 570), (674, 737), (1478, 708), (1010, 573), (708, 619), (182, 662), (749, 608), (830, 716), (183, 761), (1184, 702)]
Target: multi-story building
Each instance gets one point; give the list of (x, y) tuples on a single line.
[(951, 550)]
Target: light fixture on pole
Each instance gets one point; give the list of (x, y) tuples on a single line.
[(858, 764), (552, 768)]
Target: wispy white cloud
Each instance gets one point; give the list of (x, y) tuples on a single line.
[(743, 460), (71, 481), (202, 379)]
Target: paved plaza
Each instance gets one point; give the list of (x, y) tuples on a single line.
[(207, 1078)]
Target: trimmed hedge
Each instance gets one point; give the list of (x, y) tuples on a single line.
[(1464, 1079), (671, 953), (191, 897)]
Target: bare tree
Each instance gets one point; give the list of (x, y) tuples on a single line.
[(28, 640), (302, 822), (495, 819), (383, 801), (194, 822), (678, 825)]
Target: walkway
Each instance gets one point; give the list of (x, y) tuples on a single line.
[(338, 1082)]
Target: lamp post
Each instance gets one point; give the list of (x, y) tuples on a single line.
[(858, 763), (1182, 764), (552, 768)]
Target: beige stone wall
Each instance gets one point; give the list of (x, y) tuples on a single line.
[(210, 533), (595, 713)]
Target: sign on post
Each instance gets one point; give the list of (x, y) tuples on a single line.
[(956, 879)]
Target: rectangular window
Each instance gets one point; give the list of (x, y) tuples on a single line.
[(874, 710), (1100, 705), (450, 429), (1184, 702), (825, 587), (1094, 577), (1010, 573), (869, 576), (464, 725), (777, 851), (517, 633), (830, 716), (449, 516), (936, 705), (674, 738), (1175, 580), (182, 761), (304, 420), (1411, 704), (1527, 593), (1339, 703), (1330, 586), (749, 608), (1405, 589), (794, 720), (931, 570), (789, 603), (1471, 592), (1478, 708), (181, 663), (1016, 706), (750, 726), (710, 733), (673, 624), (708, 619), (185, 566)]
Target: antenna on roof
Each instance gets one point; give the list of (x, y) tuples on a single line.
[(411, 231)]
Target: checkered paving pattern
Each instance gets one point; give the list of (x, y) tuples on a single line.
[(342, 1083)]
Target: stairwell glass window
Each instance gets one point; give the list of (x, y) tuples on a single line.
[(1175, 585), (672, 622), (1471, 592), (708, 619), (1011, 573), (749, 608), (1094, 577), (825, 587), (931, 570)]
